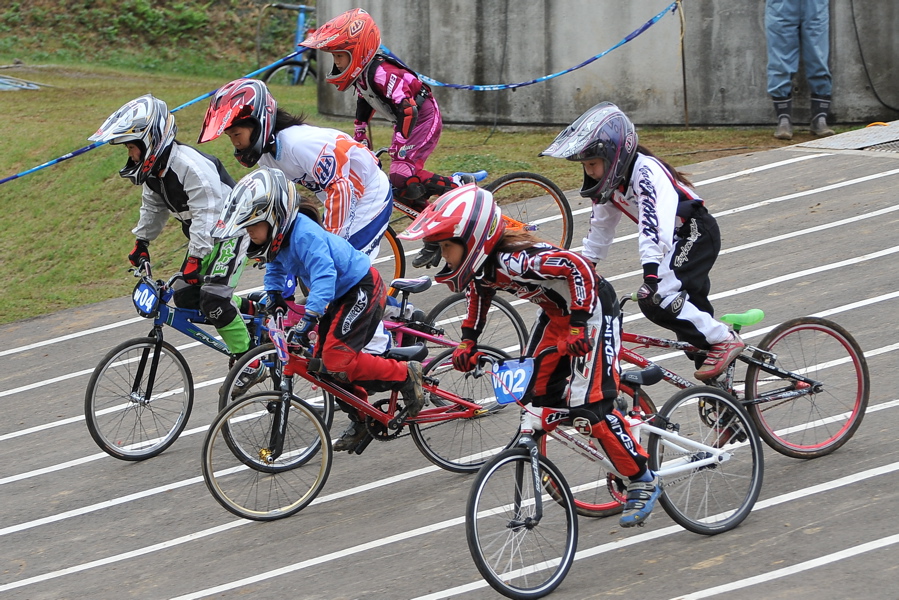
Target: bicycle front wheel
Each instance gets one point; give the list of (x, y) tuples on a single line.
[(238, 467), (597, 491), (391, 260), (517, 555), (123, 420), (504, 329), (536, 202), (463, 445), (716, 497), (817, 421), (291, 72), (270, 381)]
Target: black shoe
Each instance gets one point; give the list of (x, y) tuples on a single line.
[(411, 390), (351, 437), (429, 256)]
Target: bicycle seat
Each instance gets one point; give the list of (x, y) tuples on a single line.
[(413, 286), (651, 375), (406, 353), (750, 317)]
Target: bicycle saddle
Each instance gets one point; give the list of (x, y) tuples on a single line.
[(413, 286), (651, 375), (406, 353)]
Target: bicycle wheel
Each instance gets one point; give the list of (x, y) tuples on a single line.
[(308, 392), (391, 260), (817, 423), (715, 498), (536, 201), (504, 329), (291, 72), (597, 492), (120, 418), (518, 557), (235, 466), (464, 445)]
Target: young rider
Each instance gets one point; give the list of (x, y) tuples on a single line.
[(346, 295), (579, 314), (388, 86), (191, 186), (678, 238)]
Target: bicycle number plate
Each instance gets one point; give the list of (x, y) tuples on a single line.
[(146, 299), (511, 380)]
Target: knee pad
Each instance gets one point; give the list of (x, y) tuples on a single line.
[(187, 297), (220, 311)]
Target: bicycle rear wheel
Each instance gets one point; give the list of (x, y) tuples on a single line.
[(237, 467), (539, 203), (391, 260), (464, 445), (518, 557), (715, 498), (291, 72), (597, 491), (819, 422), (120, 418), (504, 329), (307, 391)]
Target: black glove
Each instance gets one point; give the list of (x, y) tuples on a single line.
[(140, 253), (299, 334), (274, 301), (648, 294)]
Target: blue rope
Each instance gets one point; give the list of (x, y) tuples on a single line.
[(510, 86), (477, 88), (80, 151)]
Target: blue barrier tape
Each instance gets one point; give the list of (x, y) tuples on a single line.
[(80, 151), (509, 86)]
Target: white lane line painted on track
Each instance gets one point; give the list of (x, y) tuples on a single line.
[(793, 570), (645, 537)]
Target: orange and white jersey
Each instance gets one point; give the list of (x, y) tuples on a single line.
[(342, 173)]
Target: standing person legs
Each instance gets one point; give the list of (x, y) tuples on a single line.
[(815, 40), (782, 23)]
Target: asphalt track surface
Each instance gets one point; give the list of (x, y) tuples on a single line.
[(804, 233)]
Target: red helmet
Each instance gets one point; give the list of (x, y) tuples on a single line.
[(468, 215), (238, 100), (353, 32)]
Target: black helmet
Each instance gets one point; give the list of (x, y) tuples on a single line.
[(603, 132)]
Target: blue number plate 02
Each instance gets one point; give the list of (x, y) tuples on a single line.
[(511, 380), (146, 299)]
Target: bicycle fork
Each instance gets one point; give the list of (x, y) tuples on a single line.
[(520, 519), (279, 412), (136, 396)]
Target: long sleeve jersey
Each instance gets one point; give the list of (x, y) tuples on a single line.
[(561, 282), (392, 90), (192, 187), (342, 173), (328, 265), (653, 199)]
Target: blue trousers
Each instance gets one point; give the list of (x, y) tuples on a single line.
[(794, 28)]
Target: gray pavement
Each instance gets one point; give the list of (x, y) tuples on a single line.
[(76, 523)]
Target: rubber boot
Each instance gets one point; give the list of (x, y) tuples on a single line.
[(820, 111), (784, 109)]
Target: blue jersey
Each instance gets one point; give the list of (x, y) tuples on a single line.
[(327, 264)]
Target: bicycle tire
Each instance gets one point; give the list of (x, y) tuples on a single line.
[(284, 73), (597, 492), (715, 498), (502, 318), (120, 423), (464, 445), (309, 392), (391, 259), (523, 197), (824, 351), (236, 474), (517, 560)]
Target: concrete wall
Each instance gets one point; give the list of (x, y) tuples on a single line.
[(508, 41)]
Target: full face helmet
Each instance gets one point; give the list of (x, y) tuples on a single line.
[(468, 215), (145, 122), (603, 132), (242, 100), (263, 195), (353, 32)]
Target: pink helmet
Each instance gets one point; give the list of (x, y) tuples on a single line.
[(468, 215)]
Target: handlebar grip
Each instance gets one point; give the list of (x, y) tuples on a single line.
[(287, 6)]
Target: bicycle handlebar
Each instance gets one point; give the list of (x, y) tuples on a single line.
[(297, 7)]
